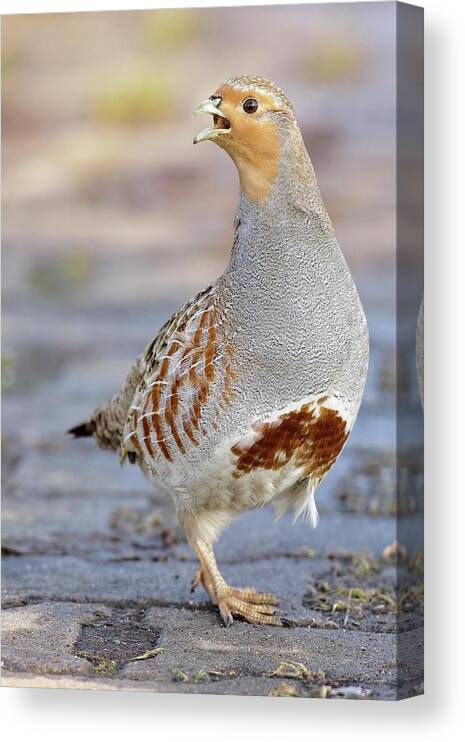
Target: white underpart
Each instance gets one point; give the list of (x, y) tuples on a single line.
[(305, 506), (196, 486)]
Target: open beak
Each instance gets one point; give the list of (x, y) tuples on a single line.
[(221, 125)]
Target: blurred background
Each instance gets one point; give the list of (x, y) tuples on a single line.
[(111, 216), (98, 129)]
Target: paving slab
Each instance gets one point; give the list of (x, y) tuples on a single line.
[(187, 650)]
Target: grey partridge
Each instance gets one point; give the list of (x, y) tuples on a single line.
[(249, 392)]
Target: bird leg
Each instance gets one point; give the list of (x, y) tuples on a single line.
[(246, 603), (202, 578)]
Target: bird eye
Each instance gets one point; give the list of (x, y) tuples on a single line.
[(250, 105)]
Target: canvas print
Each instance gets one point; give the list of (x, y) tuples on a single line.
[(212, 351)]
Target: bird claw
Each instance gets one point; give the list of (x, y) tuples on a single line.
[(249, 605), (289, 623), (245, 603), (196, 581)]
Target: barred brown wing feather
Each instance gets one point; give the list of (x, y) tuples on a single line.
[(186, 362)]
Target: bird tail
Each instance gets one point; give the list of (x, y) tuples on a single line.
[(83, 430)]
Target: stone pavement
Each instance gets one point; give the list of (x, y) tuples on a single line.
[(96, 573)]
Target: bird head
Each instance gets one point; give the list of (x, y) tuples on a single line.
[(252, 119)]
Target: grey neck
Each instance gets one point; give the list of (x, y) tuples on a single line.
[(292, 220)]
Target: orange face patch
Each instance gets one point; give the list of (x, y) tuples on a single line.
[(253, 141), (312, 440)]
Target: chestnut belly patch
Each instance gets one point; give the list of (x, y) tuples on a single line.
[(311, 436)]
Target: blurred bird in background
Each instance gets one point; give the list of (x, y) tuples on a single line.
[(249, 392)]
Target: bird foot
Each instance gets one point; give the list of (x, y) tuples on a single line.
[(202, 579), (196, 581), (247, 604)]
